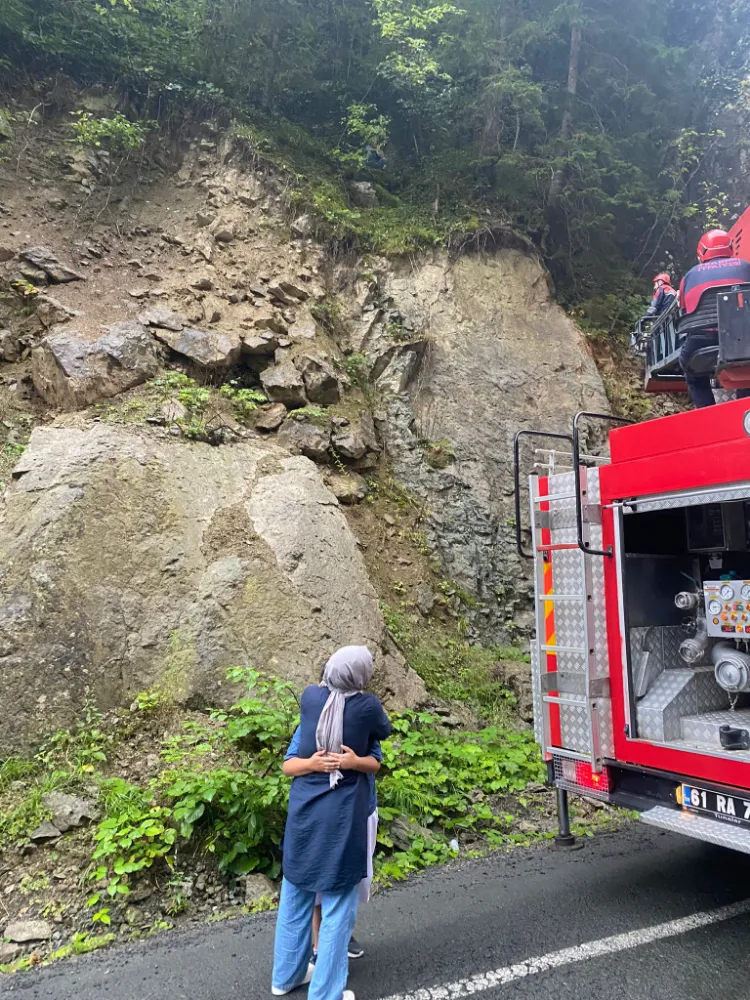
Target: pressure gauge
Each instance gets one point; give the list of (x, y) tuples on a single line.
[(727, 592), (714, 607), (746, 592)]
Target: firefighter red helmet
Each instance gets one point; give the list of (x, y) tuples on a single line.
[(714, 243), (663, 278)]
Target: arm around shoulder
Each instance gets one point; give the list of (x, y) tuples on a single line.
[(380, 725)]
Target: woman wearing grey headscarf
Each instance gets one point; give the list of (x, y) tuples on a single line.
[(325, 841)]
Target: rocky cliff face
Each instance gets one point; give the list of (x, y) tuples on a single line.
[(466, 353), (133, 555)]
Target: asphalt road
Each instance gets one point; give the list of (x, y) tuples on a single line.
[(475, 917)]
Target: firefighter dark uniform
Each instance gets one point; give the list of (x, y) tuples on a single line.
[(699, 307), (664, 296)]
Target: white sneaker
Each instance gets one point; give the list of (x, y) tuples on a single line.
[(348, 995), (308, 976)]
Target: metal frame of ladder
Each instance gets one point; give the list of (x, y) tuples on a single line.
[(543, 597), (543, 557)]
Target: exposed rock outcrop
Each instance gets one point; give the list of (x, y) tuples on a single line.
[(129, 560), (206, 348), (302, 437), (47, 261), (70, 372), (283, 384), (483, 350)]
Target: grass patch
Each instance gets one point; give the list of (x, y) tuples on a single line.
[(452, 668), (319, 174)]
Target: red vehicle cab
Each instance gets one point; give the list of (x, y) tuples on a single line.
[(641, 658)]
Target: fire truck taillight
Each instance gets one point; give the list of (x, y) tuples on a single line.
[(578, 776)]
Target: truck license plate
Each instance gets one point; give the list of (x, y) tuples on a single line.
[(731, 808)]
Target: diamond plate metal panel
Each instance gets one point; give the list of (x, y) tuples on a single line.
[(724, 395), (650, 724), (600, 666), (569, 578), (569, 625), (667, 687), (704, 728), (536, 696), (712, 831), (574, 727), (708, 695), (656, 715), (674, 695), (672, 636), (663, 642), (667, 502), (606, 727)]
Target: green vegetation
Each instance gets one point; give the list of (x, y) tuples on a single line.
[(439, 454), (220, 789), (446, 783), (81, 944), (118, 133), (580, 126), (451, 668), (207, 411)]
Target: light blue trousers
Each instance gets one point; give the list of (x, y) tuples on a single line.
[(293, 945)]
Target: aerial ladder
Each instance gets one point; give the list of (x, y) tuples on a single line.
[(659, 341)]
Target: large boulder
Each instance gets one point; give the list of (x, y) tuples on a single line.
[(162, 317), (50, 312), (10, 348), (46, 260), (70, 372), (283, 384), (302, 437), (355, 440), (129, 559), (206, 348), (320, 380)]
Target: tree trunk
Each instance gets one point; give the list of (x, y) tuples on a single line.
[(574, 63)]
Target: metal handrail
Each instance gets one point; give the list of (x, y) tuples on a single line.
[(586, 414), (517, 478)]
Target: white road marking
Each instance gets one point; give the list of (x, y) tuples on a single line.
[(579, 953)]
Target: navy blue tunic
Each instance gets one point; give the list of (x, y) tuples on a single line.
[(325, 840)]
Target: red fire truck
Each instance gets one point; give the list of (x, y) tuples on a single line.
[(641, 658)]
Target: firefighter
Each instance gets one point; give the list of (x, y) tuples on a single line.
[(664, 296), (374, 158), (716, 268)]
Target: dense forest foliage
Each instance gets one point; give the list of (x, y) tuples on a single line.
[(591, 126)]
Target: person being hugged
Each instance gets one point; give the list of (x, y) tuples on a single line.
[(325, 850)]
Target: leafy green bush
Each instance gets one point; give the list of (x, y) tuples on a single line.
[(433, 775), (263, 720), (132, 839), (204, 404), (238, 816), (244, 401), (223, 790), (117, 133)]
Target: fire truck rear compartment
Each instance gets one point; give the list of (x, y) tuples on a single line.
[(675, 562)]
